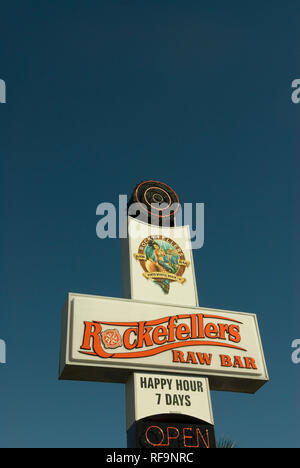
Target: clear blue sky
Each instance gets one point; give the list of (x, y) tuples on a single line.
[(104, 94)]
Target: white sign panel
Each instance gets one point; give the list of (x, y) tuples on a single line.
[(106, 339), (158, 264), (155, 394)]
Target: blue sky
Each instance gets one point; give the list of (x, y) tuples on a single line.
[(102, 95)]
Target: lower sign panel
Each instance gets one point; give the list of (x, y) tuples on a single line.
[(157, 434), (165, 396)]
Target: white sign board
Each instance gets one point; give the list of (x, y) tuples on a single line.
[(106, 339), (161, 394), (158, 265)]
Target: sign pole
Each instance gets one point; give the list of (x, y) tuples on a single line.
[(168, 410)]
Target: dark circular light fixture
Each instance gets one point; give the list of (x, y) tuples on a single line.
[(157, 202)]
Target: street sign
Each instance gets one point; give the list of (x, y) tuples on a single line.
[(106, 339)]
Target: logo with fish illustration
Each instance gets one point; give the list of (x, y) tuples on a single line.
[(162, 260)]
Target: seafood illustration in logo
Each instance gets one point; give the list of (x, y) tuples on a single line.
[(162, 260)]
